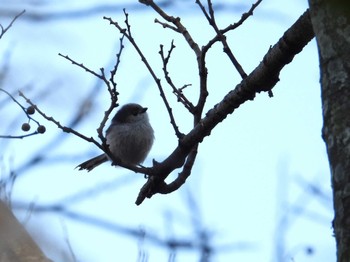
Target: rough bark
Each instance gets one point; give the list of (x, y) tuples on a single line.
[(15, 243), (331, 22)]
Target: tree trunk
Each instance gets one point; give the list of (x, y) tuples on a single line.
[(331, 22)]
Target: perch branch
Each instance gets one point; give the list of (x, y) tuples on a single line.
[(262, 79)]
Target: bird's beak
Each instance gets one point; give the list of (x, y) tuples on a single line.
[(143, 110)]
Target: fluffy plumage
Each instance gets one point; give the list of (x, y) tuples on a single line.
[(130, 137)]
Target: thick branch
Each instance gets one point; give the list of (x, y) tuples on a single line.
[(263, 78)]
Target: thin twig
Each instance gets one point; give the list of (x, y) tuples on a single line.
[(221, 37), (233, 26), (111, 86), (29, 117), (19, 136), (166, 25), (180, 96), (244, 17), (126, 33), (81, 65), (177, 23), (117, 63), (4, 30), (177, 91), (19, 104), (58, 124), (112, 89), (180, 28)]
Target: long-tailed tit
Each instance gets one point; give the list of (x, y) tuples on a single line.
[(130, 137)]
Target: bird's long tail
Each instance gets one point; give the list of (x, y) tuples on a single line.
[(93, 162)]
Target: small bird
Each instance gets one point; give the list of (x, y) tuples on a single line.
[(130, 137)]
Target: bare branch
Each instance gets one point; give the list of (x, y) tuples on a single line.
[(176, 22), (127, 34), (112, 89), (25, 127), (177, 91), (244, 17), (263, 78), (221, 37), (58, 124), (116, 66), (4, 29), (166, 25), (81, 65)]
